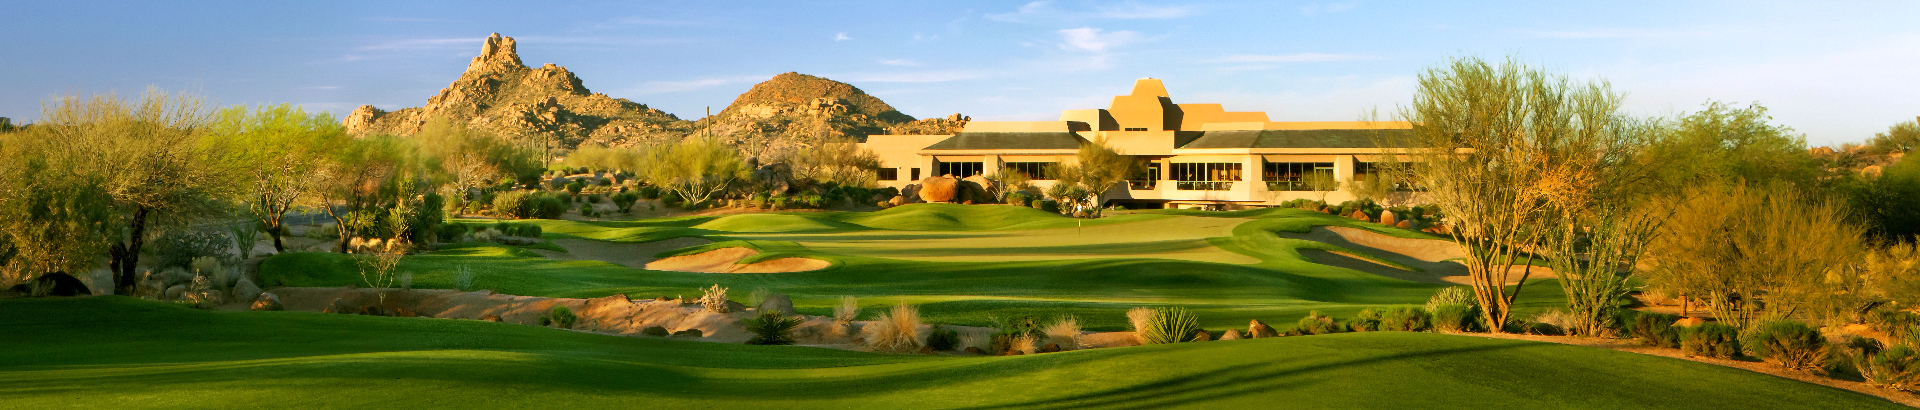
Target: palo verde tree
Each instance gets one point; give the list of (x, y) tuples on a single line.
[(354, 181), (1097, 167), (836, 160), (52, 220), (467, 159), (695, 168), (1750, 251), (276, 148), (1500, 148), (151, 157)]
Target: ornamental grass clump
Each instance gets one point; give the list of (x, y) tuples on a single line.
[(1064, 332), (1171, 325), (1710, 339), (1789, 344), (1138, 318), (771, 328), (897, 330), (714, 299), (1455, 318)]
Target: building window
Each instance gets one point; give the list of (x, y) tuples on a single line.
[(960, 169), (1137, 129), (1292, 176), (1033, 170), (1217, 176), (916, 174), (889, 174), (1147, 177)]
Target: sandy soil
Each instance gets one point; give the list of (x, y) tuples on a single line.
[(727, 260), (1435, 258), (1630, 346), (632, 255)]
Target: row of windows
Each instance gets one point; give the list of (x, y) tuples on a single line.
[(1290, 175)]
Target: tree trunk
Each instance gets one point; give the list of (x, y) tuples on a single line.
[(126, 256)]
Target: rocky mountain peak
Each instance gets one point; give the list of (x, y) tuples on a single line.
[(498, 53)]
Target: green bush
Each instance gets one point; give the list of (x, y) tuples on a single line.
[(1017, 199), (1318, 324), (771, 328), (562, 317), (1407, 319), (649, 192), (625, 201), (1711, 339), (1456, 318), (1789, 344), (512, 204), (943, 339), (1656, 329), (522, 230), (178, 247), (1171, 325), (1368, 320), (1897, 368), (448, 233), (575, 186), (548, 207)]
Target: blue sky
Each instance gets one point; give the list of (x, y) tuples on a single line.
[(1837, 71)]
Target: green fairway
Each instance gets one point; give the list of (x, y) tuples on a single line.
[(114, 352), (963, 264)]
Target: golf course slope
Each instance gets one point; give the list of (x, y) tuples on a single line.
[(117, 352)]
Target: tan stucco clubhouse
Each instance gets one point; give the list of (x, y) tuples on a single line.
[(1196, 154)]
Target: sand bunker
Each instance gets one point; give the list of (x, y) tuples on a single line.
[(1435, 258), (632, 255), (727, 260)]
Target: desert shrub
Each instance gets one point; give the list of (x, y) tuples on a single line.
[(586, 209), (1406, 319), (655, 331), (689, 333), (216, 271), (896, 331), (649, 192), (449, 233), (575, 186), (1896, 323), (1553, 322), (463, 278), (1017, 199), (771, 328), (625, 201), (1011, 331), (1656, 329), (1171, 325), (1896, 368), (177, 248), (714, 299), (1318, 324), (1367, 320), (562, 317), (944, 339), (1025, 344), (1455, 318), (512, 204), (1786, 343), (525, 230), (1065, 332), (1711, 339), (548, 207)]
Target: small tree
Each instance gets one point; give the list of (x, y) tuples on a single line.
[(1322, 183), (276, 147), (1097, 168), (695, 168)]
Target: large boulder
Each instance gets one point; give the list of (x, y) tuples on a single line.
[(944, 188), (176, 292), (1231, 334), (245, 290), (910, 194), (1387, 218), (1257, 329), (1360, 215), (1202, 336), (978, 189), (266, 302), (777, 303)]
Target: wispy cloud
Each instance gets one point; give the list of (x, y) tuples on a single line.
[(1328, 8), (426, 44), (1095, 40), (1291, 58), (1609, 33), (841, 37), (662, 87), (1045, 11), (321, 87), (900, 62), (400, 19), (910, 77)]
